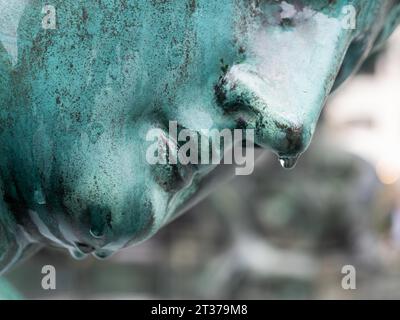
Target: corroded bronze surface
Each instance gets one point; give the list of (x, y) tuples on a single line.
[(83, 81)]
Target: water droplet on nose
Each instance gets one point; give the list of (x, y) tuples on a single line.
[(288, 162)]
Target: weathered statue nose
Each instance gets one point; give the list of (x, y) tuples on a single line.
[(278, 126), (282, 85)]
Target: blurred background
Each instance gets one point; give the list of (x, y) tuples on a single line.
[(275, 234)]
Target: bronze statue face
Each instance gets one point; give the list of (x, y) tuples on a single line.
[(84, 82)]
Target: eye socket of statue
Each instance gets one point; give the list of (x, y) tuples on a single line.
[(83, 83)]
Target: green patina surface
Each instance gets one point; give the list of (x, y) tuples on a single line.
[(78, 100)]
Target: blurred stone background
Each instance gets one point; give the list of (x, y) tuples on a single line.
[(275, 234)]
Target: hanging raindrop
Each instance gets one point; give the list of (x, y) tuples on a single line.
[(288, 162)]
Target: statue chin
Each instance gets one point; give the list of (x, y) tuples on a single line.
[(87, 89)]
